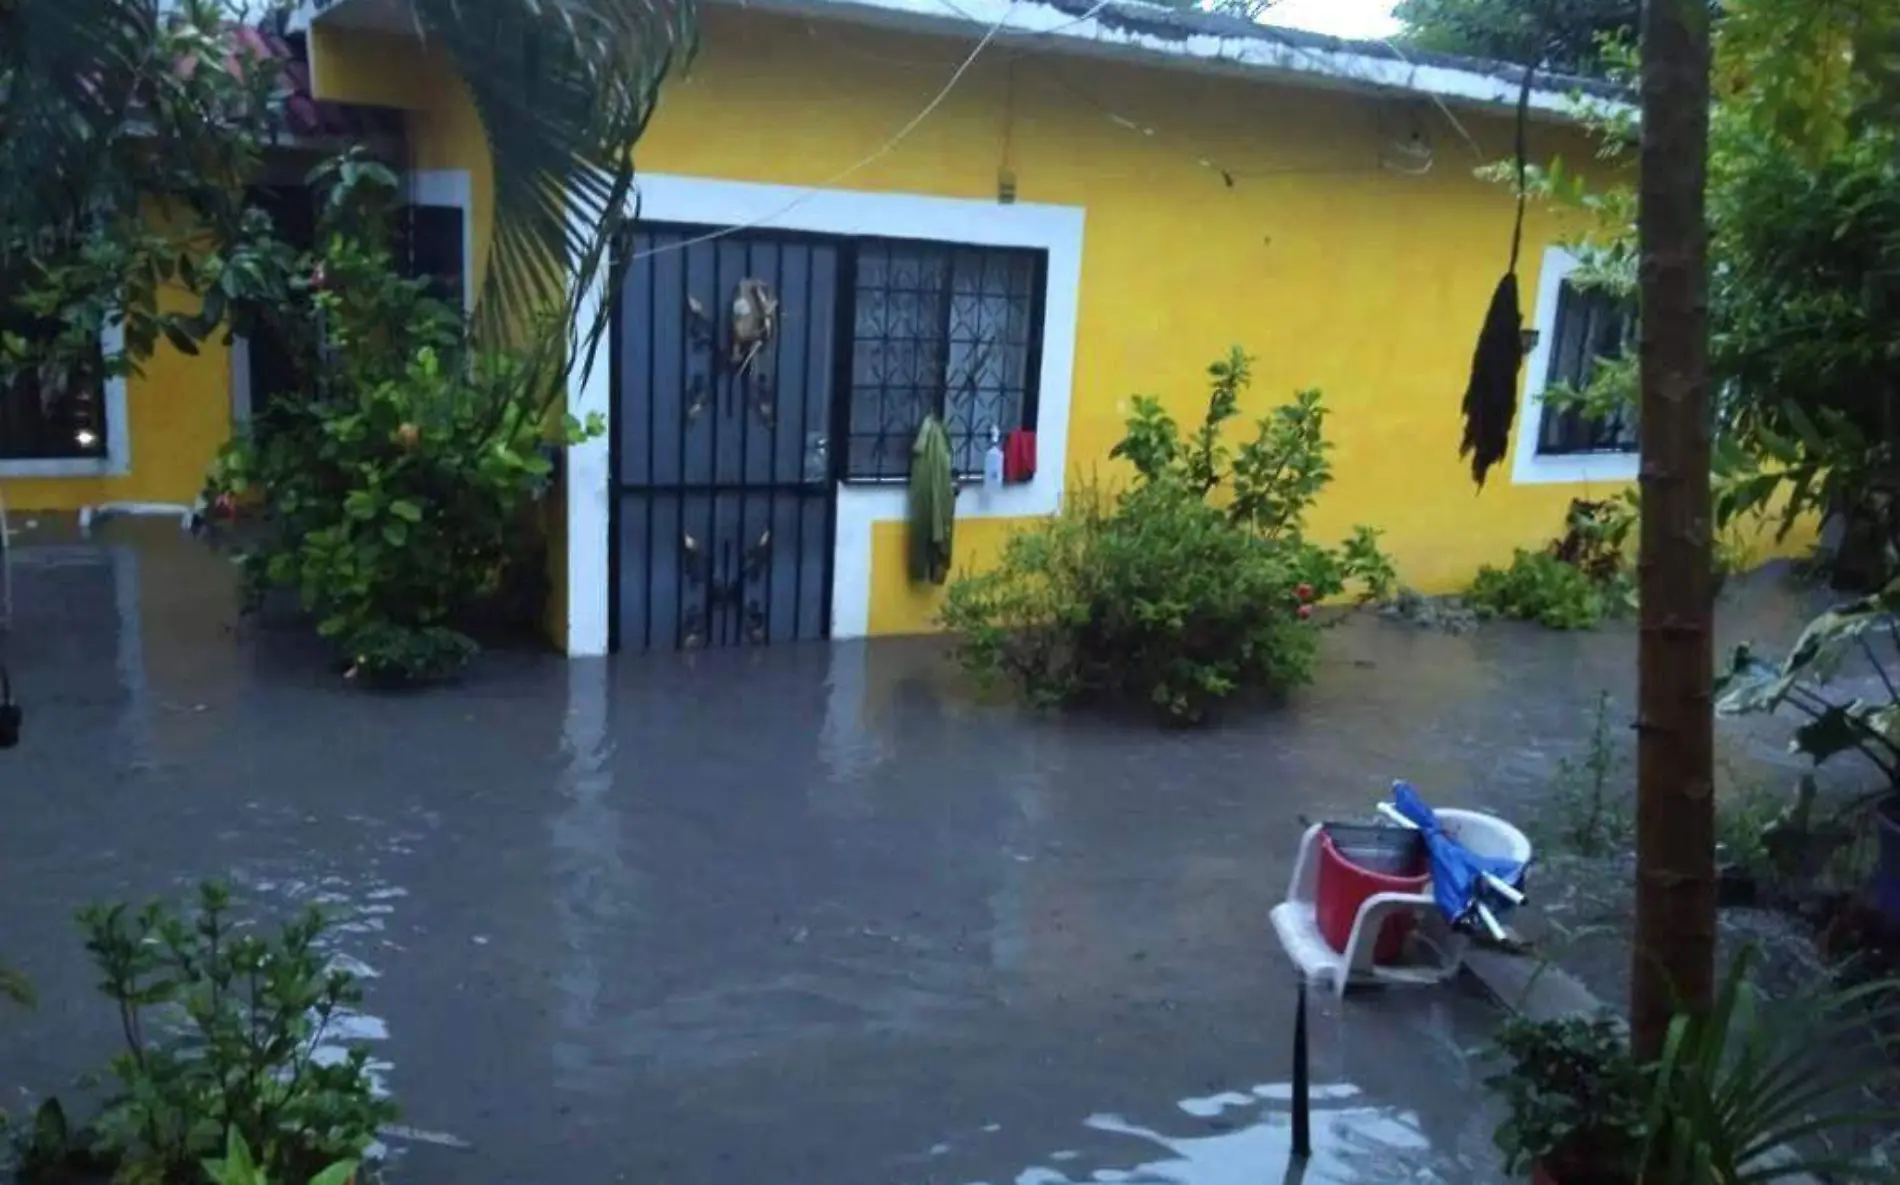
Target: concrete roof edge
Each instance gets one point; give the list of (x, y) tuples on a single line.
[(1225, 45), (1202, 41)]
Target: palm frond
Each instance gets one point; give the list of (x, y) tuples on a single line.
[(564, 88), (1752, 1090)]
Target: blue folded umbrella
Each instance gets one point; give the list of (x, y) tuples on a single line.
[(1462, 880)]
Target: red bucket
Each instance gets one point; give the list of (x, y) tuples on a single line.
[(1398, 865)]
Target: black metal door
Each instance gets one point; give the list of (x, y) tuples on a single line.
[(724, 359)]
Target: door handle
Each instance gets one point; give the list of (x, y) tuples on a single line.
[(817, 457)]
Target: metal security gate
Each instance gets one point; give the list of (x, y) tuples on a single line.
[(724, 490)]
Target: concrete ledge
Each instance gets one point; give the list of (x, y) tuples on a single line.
[(1529, 986)]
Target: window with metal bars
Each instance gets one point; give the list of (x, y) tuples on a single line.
[(47, 413), (1590, 327), (940, 329)]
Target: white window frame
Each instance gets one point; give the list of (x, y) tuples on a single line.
[(117, 461), (1056, 230), (1528, 466)]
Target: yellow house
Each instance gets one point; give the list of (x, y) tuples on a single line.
[(1012, 213)]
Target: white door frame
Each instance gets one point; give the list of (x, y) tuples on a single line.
[(1054, 229)]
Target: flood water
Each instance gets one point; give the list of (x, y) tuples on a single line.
[(810, 914)]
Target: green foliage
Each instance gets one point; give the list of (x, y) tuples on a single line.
[(15, 987), (1193, 583), (1865, 628), (1564, 35), (1574, 1099), (1748, 1090), (240, 1167), (223, 1030), (1542, 588), (1744, 1092), (1804, 219), (113, 99), (385, 654), (397, 490), (1592, 795), (133, 213), (1579, 580)]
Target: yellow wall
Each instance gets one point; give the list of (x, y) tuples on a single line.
[(179, 410), (1336, 272)]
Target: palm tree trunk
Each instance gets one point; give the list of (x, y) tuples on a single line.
[(1674, 958)]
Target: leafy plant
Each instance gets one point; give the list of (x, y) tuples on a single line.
[(1574, 1099), (140, 158), (227, 1032), (1864, 724), (1191, 584), (1746, 1091), (15, 987), (1540, 587), (239, 1167), (1804, 841), (1804, 221), (1581, 578), (1592, 793), (397, 490), (49, 1150)]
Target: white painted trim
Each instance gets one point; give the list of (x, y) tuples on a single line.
[(1527, 467), (451, 187), (118, 459), (588, 481), (666, 198)]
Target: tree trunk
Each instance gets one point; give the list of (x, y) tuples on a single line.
[(1675, 814)]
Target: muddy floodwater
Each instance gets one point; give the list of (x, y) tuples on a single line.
[(810, 915)]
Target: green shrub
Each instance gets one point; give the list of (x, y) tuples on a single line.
[(240, 1167), (399, 487), (1542, 588), (1160, 592), (227, 1031)]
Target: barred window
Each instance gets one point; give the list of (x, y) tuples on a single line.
[(49, 413), (1590, 326), (944, 330)]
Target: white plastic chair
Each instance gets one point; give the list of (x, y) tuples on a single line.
[(1439, 949)]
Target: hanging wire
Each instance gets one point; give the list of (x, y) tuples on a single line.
[(883, 150), (1386, 161), (995, 29), (1273, 33)]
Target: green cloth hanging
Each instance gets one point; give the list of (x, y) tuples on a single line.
[(933, 503)]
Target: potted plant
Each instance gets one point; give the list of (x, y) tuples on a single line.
[(1575, 1100)]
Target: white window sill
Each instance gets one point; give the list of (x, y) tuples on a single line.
[(62, 467), (1576, 469)]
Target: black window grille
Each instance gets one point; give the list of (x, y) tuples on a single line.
[(47, 413), (1591, 326), (945, 330)]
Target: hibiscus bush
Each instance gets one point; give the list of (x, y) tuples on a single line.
[(1194, 582), (396, 491)]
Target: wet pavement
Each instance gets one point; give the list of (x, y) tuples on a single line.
[(811, 915)]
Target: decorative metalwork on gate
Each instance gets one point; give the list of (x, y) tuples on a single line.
[(724, 362), (739, 356)]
